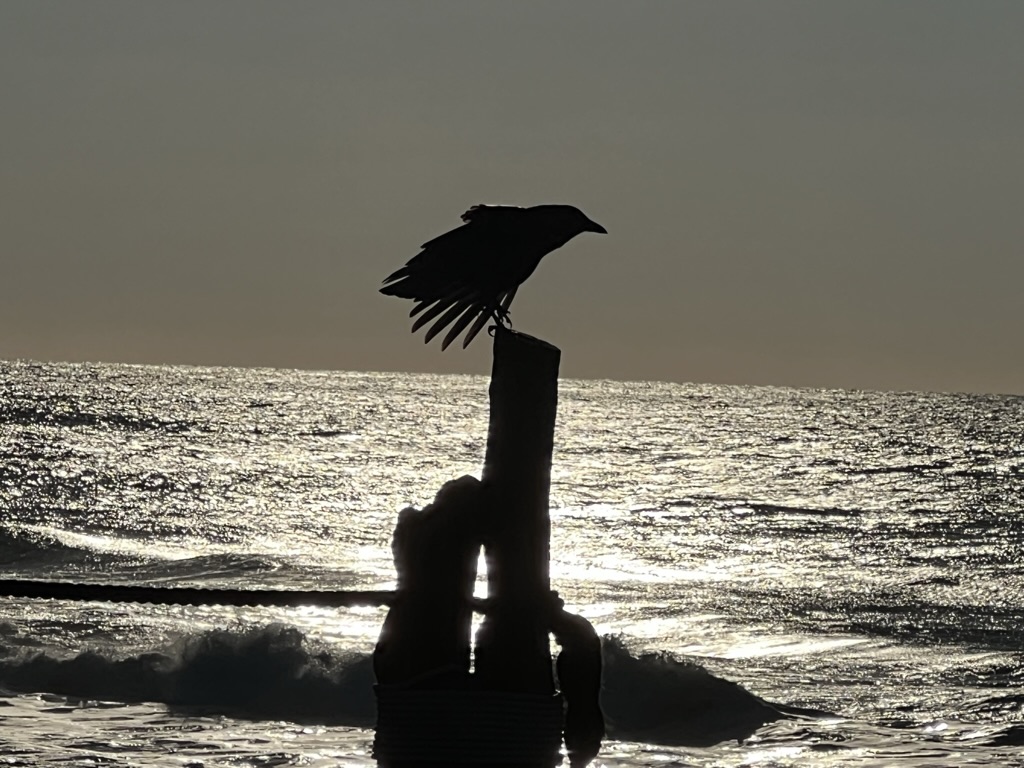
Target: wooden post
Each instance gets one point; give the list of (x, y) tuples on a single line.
[(510, 714), (512, 647)]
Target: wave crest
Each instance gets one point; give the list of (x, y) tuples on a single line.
[(275, 672)]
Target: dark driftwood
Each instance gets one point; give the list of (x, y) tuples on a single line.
[(111, 593), (512, 648)]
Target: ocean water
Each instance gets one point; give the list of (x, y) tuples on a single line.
[(781, 576)]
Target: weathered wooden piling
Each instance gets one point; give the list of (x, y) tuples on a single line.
[(512, 648), (509, 714)]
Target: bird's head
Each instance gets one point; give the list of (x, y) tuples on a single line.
[(570, 220)]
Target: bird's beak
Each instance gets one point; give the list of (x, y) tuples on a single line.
[(593, 226)]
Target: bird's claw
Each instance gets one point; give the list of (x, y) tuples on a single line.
[(502, 316)]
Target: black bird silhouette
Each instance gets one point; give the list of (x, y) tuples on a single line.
[(471, 274)]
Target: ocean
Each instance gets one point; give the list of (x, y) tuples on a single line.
[(781, 577)]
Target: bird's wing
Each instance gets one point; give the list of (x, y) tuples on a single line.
[(465, 274), (481, 221), (464, 257), (493, 213)]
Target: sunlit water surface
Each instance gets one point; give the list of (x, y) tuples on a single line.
[(851, 558)]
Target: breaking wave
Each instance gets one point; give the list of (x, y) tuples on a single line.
[(276, 673)]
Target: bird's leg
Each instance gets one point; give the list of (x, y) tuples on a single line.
[(502, 316)]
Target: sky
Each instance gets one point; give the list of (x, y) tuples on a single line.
[(823, 194)]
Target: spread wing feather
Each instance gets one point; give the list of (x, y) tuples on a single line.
[(433, 312), (506, 300), (473, 311), (454, 311), (419, 306), (481, 321)]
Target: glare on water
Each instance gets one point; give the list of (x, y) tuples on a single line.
[(853, 553)]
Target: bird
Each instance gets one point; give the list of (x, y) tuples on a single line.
[(469, 275)]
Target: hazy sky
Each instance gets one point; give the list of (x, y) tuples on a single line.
[(807, 193)]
